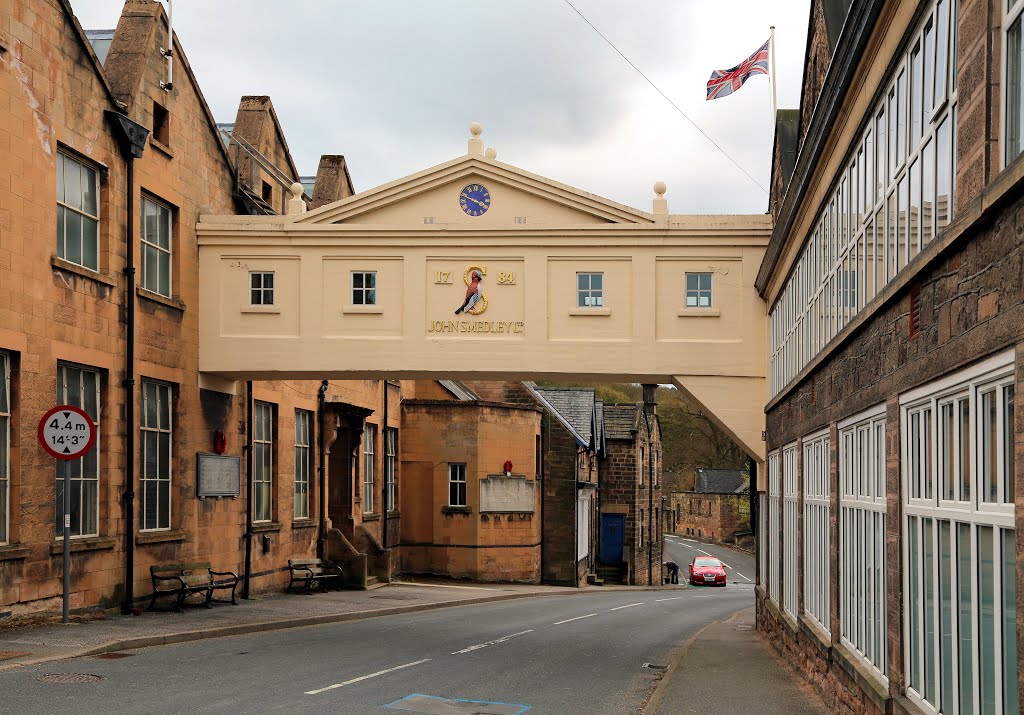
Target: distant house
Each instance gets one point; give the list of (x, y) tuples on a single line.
[(718, 506)]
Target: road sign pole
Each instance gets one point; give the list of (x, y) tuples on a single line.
[(65, 618)]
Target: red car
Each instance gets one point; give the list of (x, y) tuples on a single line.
[(707, 570)]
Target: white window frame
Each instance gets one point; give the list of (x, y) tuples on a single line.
[(261, 291), (762, 542), (863, 561), (367, 294), (457, 479), (303, 463), (263, 461), (5, 447), (78, 466), (81, 210), (152, 248), (369, 440), (1011, 16), (152, 433), (390, 465), (694, 296), (774, 526), (589, 297), (817, 528), (975, 515), (790, 495), (582, 525)]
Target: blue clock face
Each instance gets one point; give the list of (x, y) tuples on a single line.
[(475, 200)]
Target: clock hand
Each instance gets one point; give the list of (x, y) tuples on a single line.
[(477, 201)]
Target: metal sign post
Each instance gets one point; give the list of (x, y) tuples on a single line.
[(67, 432)]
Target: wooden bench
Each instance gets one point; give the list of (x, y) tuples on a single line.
[(183, 580), (309, 572)]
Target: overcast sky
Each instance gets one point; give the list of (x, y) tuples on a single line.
[(394, 85)]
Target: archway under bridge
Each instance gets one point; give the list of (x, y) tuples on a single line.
[(475, 269)]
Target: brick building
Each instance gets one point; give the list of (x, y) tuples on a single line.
[(630, 493), (463, 514), (715, 510), (889, 549)]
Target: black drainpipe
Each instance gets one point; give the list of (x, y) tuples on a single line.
[(384, 506), (248, 488), (321, 541), (648, 408), (132, 138)]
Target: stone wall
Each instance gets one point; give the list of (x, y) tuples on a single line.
[(710, 517)]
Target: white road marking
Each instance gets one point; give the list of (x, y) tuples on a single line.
[(570, 620), (365, 677), (478, 646), (674, 598), (704, 552), (743, 577), (628, 605), (690, 540)]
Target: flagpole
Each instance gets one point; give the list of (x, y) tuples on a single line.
[(771, 74)]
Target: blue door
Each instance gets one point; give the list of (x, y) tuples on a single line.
[(613, 534)]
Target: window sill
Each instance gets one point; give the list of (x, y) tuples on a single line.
[(699, 313), (371, 517), (816, 635), (590, 312), (10, 552), (456, 510), (394, 514), (61, 264), (303, 524), (271, 309), (173, 303), (83, 543), (876, 690), (362, 310), (161, 147), (266, 526), (159, 537)]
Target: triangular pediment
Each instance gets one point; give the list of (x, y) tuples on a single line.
[(516, 198)]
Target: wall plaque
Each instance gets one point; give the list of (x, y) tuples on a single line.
[(499, 493), (217, 475)]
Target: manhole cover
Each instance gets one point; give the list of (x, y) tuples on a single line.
[(68, 678), (113, 656)]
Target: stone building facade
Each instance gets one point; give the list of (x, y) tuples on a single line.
[(717, 508), (890, 547)]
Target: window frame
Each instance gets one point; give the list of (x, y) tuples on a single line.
[(262, 290), (369, 452), (264, 423), (774, 527), (6, 415), (303, 464), (167, 390), (61, 177), (699, 292), (145, 243), (62, 398), (1013, 14), (458, 469), (390, 466), (817, 526), (585, 297), (363, 291)]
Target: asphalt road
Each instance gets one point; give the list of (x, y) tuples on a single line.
[(561, 655), (739, 566)]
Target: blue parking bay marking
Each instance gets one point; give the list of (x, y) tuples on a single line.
[(433, 705)]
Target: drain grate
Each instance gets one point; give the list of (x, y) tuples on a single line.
[(113, 656), (68, 678), (652, 666)]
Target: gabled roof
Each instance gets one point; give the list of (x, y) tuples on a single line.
[(719, 481), (86, 44), (459, 390), (486, 169), (621, 421), (254, 111), (572, 406)]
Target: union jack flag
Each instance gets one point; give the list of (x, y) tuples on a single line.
[(725, 82)]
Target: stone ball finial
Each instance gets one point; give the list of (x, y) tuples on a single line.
[(295, 190), (476, 129), (660, 188), (491, 153)]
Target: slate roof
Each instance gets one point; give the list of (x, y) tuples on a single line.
[(459, 390), (572, 406), (719, 481), (620, 421)]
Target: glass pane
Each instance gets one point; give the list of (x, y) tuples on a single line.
[(691, 301), (692, 281), (164, 226), (965, 448), (943, 163), (164, 504), (371, 297), (165, 273), (73, 237), (150, 269), (929, 67), (1009, 592), (1009, 468), (371, 280), (1014, 108), (989, 446), (901, 118), (89, 191), (357, 296), (149, 455), (929, 602), (268, 280), (941, 43), (914, 217), (60, 177), (149, 405), (90, 244), (946, 642), (597, 281), (916, 96), (928, 192), (357, 280), (149, 502), (965, 621), (163, 464), (61, 250), (72, 184), (150, 230), (986, 612)]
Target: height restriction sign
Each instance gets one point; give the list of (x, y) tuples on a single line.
[(66, 432)]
